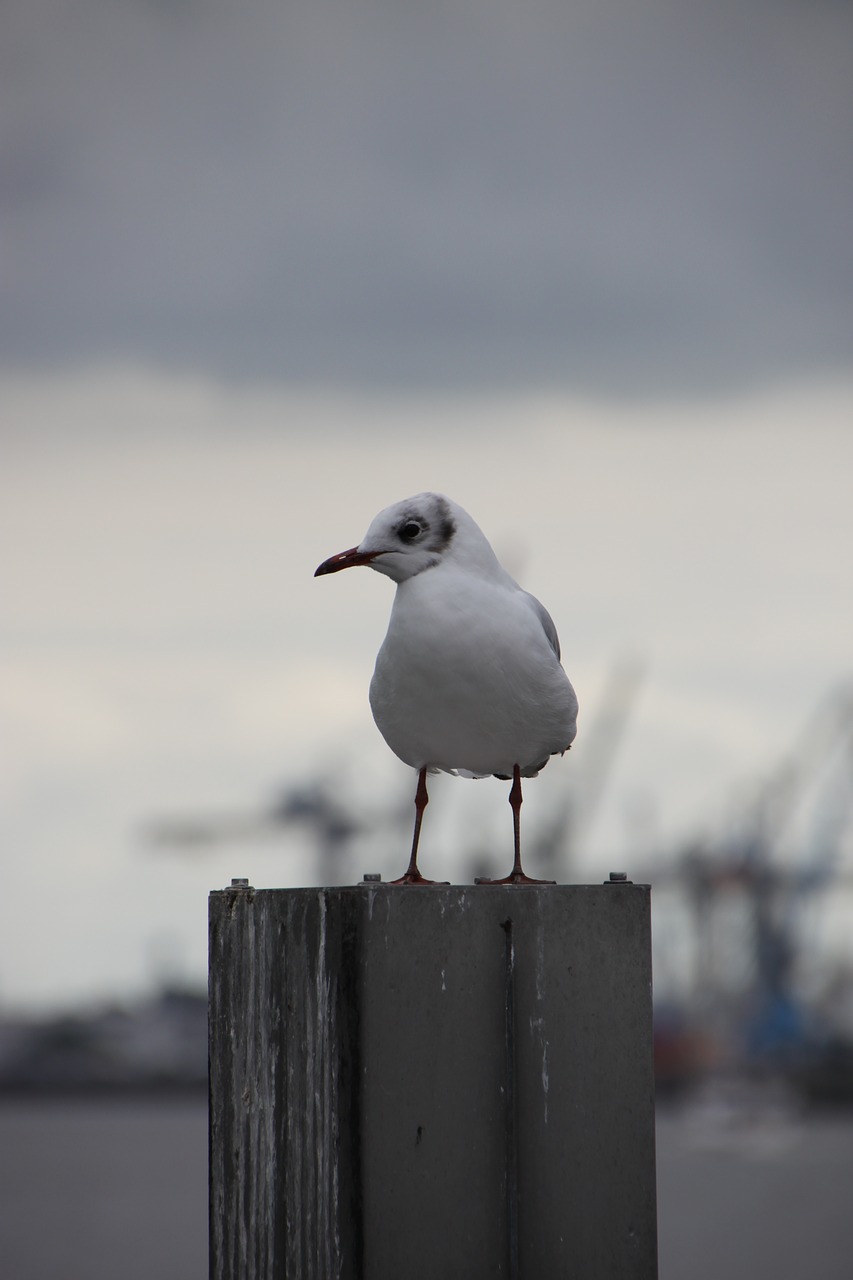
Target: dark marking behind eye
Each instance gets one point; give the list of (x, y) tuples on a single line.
[(447, 525)]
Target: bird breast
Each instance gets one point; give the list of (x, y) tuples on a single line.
[(467, 680)]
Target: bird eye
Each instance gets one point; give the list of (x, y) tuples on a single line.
[(410, 530)]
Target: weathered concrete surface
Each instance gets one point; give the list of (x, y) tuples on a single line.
[(449, 1082)]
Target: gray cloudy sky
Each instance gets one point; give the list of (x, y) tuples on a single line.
[(648, 196)]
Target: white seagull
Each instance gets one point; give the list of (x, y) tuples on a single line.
[(468, 679)]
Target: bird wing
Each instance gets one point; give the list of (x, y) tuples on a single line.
[(547, 622)]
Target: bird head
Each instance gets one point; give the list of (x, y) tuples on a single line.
[(415, 534)]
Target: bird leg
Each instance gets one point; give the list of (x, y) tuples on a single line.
[(412, 875), (516, 876)]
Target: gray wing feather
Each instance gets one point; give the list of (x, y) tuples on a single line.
[(547, 623)]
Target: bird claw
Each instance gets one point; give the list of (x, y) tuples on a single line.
[(514, 877), (416, 879)]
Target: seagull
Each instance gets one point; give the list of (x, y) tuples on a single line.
[(468, 680)]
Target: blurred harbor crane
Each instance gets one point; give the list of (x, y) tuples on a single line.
[(331, 824), (559, 835), (739, 864)]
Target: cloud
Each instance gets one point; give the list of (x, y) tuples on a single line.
[(648, 197)]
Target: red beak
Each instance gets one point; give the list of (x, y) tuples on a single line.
[(345, 560)]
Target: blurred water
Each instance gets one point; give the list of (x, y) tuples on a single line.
[(747, 1197), (98, 1190)]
